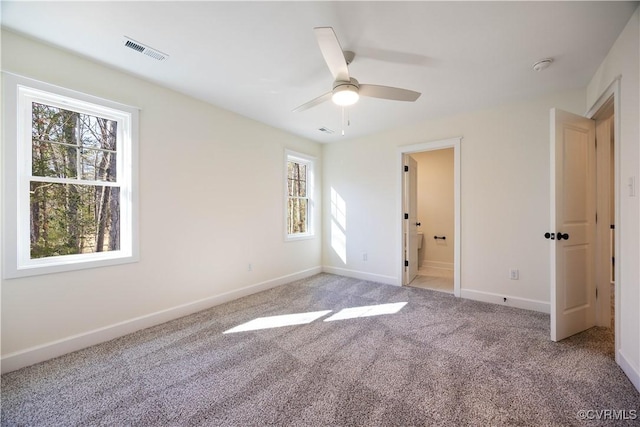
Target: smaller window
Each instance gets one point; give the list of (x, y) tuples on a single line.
[(299, 191)]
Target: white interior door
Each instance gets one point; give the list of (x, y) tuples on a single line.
[(572, 233), (410, 219)]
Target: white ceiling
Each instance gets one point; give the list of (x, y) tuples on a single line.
[(261, 59)]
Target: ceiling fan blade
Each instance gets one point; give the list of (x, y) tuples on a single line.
[(386, 92), (332, 52), (313, 102)]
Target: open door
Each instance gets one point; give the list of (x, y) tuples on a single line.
[(410, 225), (573, 216)]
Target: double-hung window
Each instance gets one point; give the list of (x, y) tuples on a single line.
[(70, 171), (299, 200)]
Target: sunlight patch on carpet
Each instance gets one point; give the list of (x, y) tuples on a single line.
[(367, 311), (278, 321), (305, 318)]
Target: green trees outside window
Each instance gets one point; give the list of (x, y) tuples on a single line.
[(298, 200), (74, 203)]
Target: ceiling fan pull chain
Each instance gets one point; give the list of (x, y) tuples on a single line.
[(342, 121)]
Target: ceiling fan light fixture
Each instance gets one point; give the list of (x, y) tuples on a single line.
[(345, 95)]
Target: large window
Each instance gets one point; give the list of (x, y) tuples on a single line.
[(71, 159), (299, 202)]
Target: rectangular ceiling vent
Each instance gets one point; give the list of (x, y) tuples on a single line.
[(149, 51), (325, 130)]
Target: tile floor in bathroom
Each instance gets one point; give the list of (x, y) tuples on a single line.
[(436, 279)]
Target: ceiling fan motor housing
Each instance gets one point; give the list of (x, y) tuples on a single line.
[(352, 82)]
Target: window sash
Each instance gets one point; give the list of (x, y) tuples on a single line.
[(72, 140), (95, 226), (29, 96)]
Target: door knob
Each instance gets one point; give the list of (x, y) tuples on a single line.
[(548, 235), (562, 236), (418, 224)]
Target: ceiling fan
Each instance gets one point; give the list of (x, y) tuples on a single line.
[(347, 90)]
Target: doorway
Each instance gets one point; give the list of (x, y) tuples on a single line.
[(435, 217), (599, 267), (412, 259), (605, 220), (606, 113)]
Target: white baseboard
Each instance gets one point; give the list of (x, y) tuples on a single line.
[(629, 370), (437, 264), (389, 280), (30, 356), (527, 304)]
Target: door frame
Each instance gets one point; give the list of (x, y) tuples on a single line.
[(417, 148), (613, 90)]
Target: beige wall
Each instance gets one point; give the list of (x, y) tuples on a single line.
[(436, 206), (504, 198), (211, 201)]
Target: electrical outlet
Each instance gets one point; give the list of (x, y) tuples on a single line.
[(249, 267), (514, 274), (365, 257)]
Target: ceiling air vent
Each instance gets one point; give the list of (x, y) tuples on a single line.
[(149, 51), (325, 130)]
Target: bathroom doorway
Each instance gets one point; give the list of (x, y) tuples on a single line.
[(437, 219)]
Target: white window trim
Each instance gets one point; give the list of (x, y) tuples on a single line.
[(18, 92), (310, 161)]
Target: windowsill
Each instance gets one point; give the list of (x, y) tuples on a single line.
[(295, 237), (60, 267)]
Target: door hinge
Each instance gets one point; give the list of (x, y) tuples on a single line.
[(406, 263), (406, 216), (406, 168), (596, 293), (596, 217)]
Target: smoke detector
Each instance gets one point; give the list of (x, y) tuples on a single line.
[(542, 64), (142, 48)]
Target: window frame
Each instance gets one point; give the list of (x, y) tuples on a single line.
[(18, 94), (309, 161)]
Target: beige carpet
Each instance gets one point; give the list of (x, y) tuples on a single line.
[(358, 356)]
